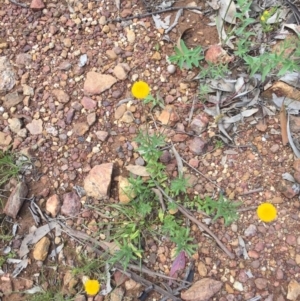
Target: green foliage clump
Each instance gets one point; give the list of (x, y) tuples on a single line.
[(187, 58)]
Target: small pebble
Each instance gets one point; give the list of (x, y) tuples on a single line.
[(171, 69)]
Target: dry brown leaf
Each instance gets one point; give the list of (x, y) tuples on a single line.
[(282, 89), (283, 124)]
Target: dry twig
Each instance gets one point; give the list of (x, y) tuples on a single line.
[(189, 215)]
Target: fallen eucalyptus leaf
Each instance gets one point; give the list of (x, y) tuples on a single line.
[(288, 176), (294, 148), (178, 160), (108, 287), (292, 79), (227, 11), (243, 247), (34, 237), (294, 27), (20, 267), (290, 104), (222, 34), (34, 290), (221, 85), (159, 23), (56, 251)]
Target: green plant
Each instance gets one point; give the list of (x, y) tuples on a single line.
[(88, 266), (178, 234), (219, 144), (220, 208), (187, 58), (11, 164), (213, 71), (50, 295), (179, 185), (154, 101), (204, 89), (126, 253)]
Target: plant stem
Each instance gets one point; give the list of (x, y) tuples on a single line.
[(185, 212)]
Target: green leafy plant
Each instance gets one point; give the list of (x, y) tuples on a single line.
[(220, 208), (11, 165), (154, 101), (179, 235), (204, 89), (219, 144), (88, 266), (125, 254), (179, 185), (187, 58), (213, 71)]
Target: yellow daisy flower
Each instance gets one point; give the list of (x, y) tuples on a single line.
[(140, 89), (266, 212), (91, 287)]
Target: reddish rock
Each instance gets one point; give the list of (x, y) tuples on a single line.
[(16, 200), (296, 165), (279, 274), (194, 162), (71, 204), (202, 290), (197, 145), (165, 157), (199, 123), (253, 254), (80, 128), (61, 95), (119, 278), (98, 181), (97, 83), (168, 116), (53, 205), (37, 5), (297, 176), (261, 283), (287, 188), (179, 137), (259, 246), (217, 55), (102, 135), (88, 103), (291, 240)]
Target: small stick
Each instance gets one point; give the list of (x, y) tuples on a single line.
[(152, 13), (247, 209), (252, 191), (193, 219), (192, 110)]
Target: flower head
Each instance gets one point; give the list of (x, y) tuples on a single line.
[(140, 89), (262, 18), (266, 212), (91, 287)]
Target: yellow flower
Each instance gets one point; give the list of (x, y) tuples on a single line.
[(140, 89), (266, 212), (91, 287), (266, 13), (262, 18)]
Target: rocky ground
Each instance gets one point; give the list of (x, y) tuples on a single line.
[(74, 120)]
